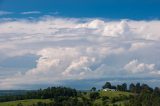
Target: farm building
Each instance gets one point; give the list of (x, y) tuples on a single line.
[(107, 89)]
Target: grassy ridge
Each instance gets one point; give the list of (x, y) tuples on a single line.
[(112, 95)]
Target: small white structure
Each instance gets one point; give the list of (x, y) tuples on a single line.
[(107, 89)]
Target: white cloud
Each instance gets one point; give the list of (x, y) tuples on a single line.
[(69, 62), (118, 30), (71, 48), (30, 12), (136, 67), (139, 45), (5, 13)]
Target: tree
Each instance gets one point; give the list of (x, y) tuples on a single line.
[(124, 87), (93, 89), (119, 87), (155, 97), (145, 87), (107, 85), (132, 87), (113, 87), (156, 92), (138, 88)]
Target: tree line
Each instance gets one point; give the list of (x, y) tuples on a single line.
[(50, 92), (142, 95)]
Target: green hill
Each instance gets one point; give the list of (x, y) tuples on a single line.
[(112, 97), (111, 94), (25, 102)]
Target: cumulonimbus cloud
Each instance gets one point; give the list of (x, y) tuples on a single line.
[(70, 48)]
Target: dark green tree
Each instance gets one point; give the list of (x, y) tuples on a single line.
[(119, 87), (93, 89), (124, 87), (132, 88), (138, 88), (107, 85)]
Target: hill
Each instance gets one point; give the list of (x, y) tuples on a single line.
[(25, 102), (112, 97)]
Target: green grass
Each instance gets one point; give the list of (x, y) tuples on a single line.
[(25, 102), (111, 94)]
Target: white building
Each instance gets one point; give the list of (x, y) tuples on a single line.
[(107, 89)]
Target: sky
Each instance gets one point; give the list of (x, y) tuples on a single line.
[(78, 43)]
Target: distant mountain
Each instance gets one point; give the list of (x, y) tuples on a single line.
[(12, 92)]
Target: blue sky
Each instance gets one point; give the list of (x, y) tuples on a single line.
[(111, 9), (78, 43)]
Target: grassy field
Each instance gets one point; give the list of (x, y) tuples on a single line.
[(112, 95), (25, 102), (97, 102)]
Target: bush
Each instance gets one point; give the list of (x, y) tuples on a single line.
[(94, 95), (105, 98)]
